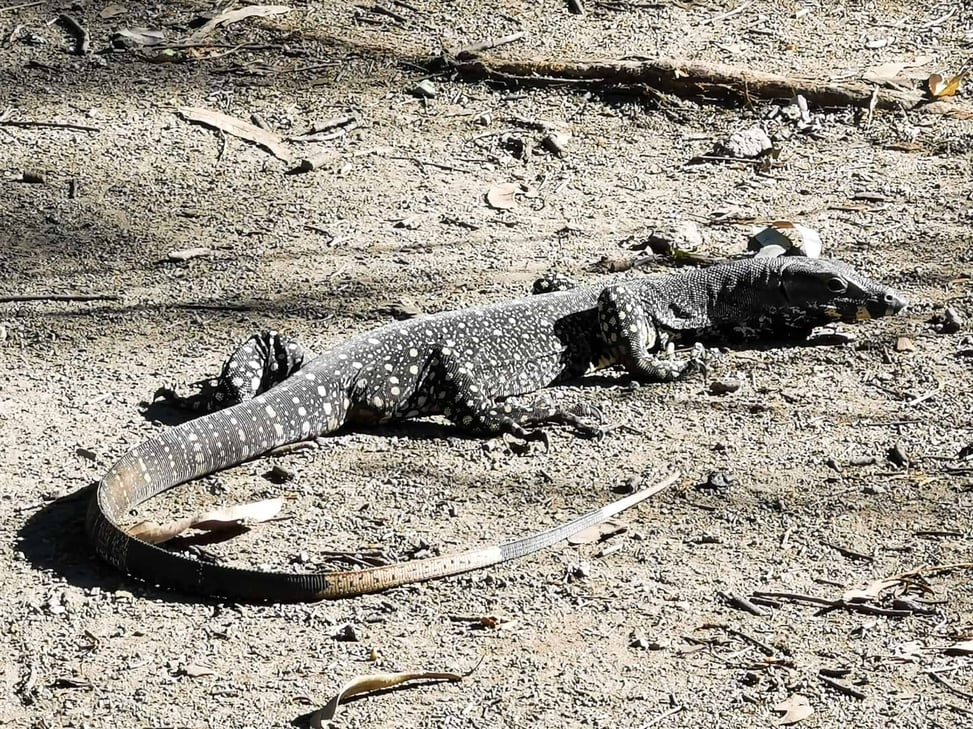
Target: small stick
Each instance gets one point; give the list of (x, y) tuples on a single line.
[(934, 675), (843, 688), (82, 43), (576, 7), (22, 6), (728, 14), (796, 597), (59, 297), (485, 45), (849, 552), (422, 162), (662, 716), (53, 125), (742, 603)]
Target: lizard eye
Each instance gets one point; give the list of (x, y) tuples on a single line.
[(837, 286)]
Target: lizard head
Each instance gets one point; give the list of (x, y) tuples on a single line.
[(822, 291)]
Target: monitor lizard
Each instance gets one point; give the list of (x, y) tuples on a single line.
[(466, 365)]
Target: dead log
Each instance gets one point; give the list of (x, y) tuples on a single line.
[(694, 79)]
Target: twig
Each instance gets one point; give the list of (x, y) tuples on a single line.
[(662, 716), (576, 7), (22, 6), (465, 52), (794, 597), (953, 688), (423, 162), (849, 552), (843, 688), (742, 603), (59, 297), (728, 14), (81, 42), (53, 125)]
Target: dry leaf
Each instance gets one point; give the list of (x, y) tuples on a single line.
[(870, 592), (501, 197), (254, 511), (137, 37), (270, 141), (940, 87), (793, 238), (377, 682), (598, 532), (233, 16), (794, 709)]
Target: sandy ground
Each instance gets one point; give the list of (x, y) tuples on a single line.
[(634, 632)]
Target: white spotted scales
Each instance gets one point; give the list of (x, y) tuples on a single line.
[(465, 365)]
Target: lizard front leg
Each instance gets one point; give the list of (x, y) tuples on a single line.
[(258, 364), (634, 341)]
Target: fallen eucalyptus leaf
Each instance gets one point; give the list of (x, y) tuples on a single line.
[(940, 86), (254, 511), (378, 682), (233, 16), (270, 141)]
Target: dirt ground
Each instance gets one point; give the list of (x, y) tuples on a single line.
[(638, 631)]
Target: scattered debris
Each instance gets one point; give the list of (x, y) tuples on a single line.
[(33, 177), (215, 520), (783, 237), (60, 297)]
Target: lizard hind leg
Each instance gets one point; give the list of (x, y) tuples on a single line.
[(264, 360), (463, 402), (633, 340)]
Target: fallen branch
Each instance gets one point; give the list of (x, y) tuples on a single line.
[(695, 79), (59, 297), (53, 125)]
